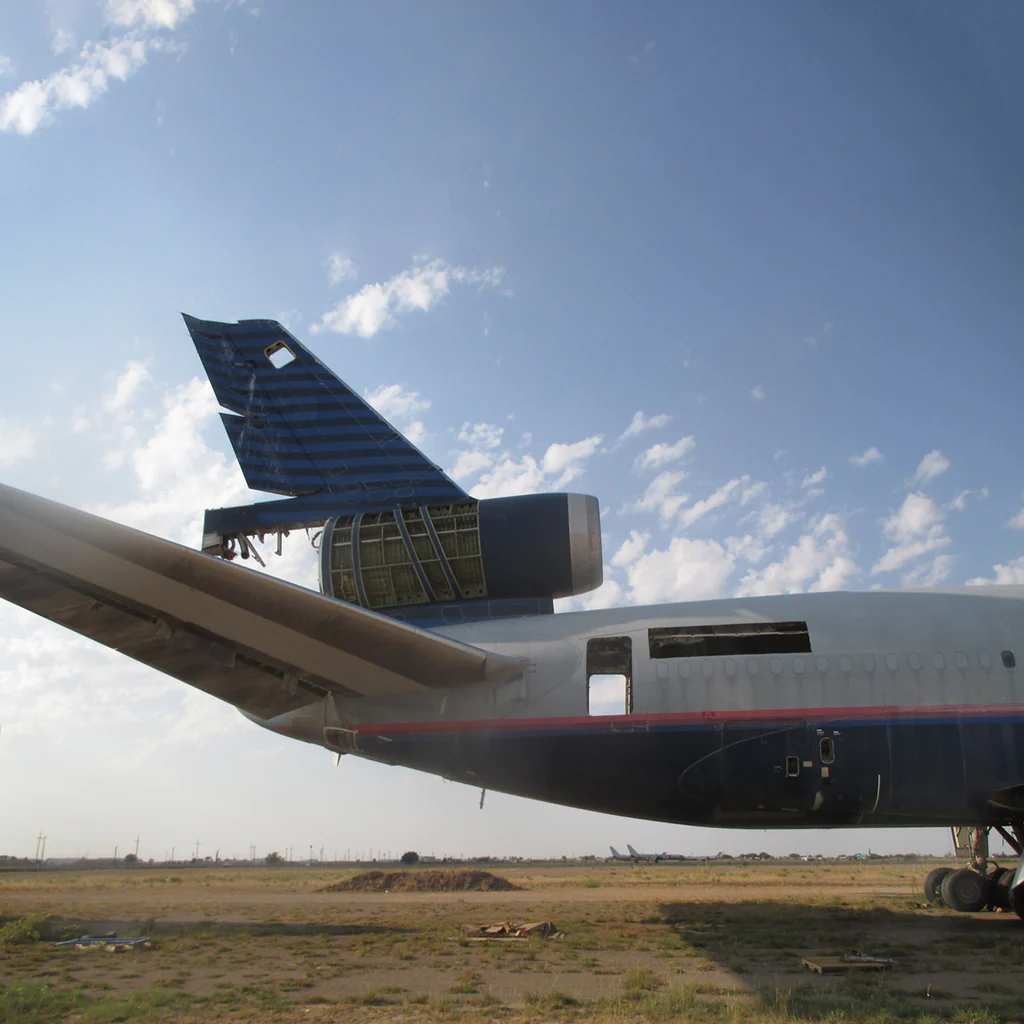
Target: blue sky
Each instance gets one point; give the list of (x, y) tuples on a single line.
[(787, 235)]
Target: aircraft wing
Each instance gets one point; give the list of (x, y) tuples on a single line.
[(259, 643)]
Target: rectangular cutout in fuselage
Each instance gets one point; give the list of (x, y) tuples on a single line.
[(610, 675), (729, 640)]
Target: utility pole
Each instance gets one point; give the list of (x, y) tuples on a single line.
[(136, 847), (172, 854), (42, 856), (115, 854), (197, 850)]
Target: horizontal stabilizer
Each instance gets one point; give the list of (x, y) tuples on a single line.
[(259, 643), (298, 430)]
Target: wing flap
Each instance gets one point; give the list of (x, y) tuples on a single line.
[(245, 637)]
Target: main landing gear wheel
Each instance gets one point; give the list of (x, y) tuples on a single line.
[(965, 890), (933, 885)]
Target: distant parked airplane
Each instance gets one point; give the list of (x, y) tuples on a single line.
[(655, 857)]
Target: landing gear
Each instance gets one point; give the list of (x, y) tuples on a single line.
[(933, 885), (965, 890), (982, 884)]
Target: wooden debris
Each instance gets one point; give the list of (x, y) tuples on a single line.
[(839, 964), (509, 932)]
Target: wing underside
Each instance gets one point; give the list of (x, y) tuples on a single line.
[(259, 643)]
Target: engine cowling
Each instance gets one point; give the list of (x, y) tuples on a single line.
[(535, 546)]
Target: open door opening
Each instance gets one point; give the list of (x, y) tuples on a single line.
[(610, 676)]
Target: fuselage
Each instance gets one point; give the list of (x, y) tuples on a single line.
[(816, 710)]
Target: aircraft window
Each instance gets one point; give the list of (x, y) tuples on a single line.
[(1009, 660), (869, 663), (985, 659), (798, 666), (707, 668), (822, 665), (684, 670), (961, 660), (776, 664), (892, 663), (792, 766), (717, 641), (609, 657), (939, 661), (279, 354), (914, 661), (730, 667), (845, 665), (828, 750), (662, 671), (753, 667)]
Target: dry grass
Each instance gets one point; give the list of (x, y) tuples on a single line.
[(717, 942)]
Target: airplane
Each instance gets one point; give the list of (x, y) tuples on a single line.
[(655, 858), (621, 856), (433, 644)]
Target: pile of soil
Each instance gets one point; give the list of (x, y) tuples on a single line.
[(431, 880)]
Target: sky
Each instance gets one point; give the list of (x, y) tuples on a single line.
[(752, 274)]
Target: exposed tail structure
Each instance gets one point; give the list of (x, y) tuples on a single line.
[(298, 430)]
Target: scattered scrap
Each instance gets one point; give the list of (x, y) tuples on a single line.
[(506, 931), (110, 942), (851, 962), (431, 880)]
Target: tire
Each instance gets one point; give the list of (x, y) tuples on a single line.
[(965, 890), (933, 885)]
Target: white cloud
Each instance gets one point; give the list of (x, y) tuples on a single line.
[(77, 85), (566, 459), (469, 463), (126, 387), (17, 442), (717, 499), (376, 306), (755, 490), (630, 549), (813, 479), (867, 456), (481, 435), (415, 432), (916, 529), (1010, 573), (608, 595), (660, 496), (150, 14), (1017, 522), (340, 268), (689, 570), (930, 575), (820, 560), (560, 464), (932, 465), (758, 393), (393, 403), (6, 66), (662, 453), (773, 519), (642, 422), (61, 41)]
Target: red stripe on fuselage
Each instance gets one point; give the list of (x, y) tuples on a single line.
[(640, 722)]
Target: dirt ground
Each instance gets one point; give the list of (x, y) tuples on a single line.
[(671, 941)]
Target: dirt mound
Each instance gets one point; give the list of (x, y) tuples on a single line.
[(424, 881)]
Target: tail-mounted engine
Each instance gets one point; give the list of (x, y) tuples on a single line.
[(517, 554)]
